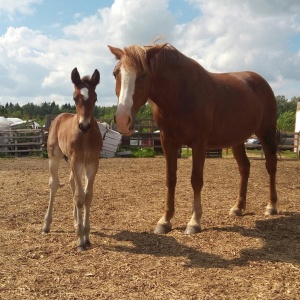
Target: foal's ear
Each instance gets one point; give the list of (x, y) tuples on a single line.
[(118, 53), (95, 77), (155, 49), (75, 77)]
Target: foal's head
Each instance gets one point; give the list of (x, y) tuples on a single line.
[(85, 98), (132, 74)]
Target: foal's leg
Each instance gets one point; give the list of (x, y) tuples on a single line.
[(78, 199), (198, 155), (54, 184), (271, 166), (242, 160), (164, 225), (91, 171), (72, 185)]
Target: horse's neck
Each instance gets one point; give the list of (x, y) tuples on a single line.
[(172, 85)]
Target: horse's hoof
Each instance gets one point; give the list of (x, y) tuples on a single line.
[(235, 212), (271, 211), (192, 229), (163, 228)]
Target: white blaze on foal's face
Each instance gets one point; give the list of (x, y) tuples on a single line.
[(125, 98), (85, 93)]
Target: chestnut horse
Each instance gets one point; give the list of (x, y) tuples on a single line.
[(200, 109), (77, 138)]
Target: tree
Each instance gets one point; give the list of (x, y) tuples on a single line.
[(284, 104), (286, 121)]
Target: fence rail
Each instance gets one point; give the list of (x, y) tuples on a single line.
[(18, 142)]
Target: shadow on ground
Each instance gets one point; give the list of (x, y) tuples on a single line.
[(280, 238)]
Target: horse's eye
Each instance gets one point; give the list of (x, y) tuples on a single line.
[(115, 75), (142, 76)]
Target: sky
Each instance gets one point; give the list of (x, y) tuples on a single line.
[(41, 41)]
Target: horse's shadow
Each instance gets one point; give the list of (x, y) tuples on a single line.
[(280, 238)]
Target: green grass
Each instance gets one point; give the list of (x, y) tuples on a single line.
[(142, 152)]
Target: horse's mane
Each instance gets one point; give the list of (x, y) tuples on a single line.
[(136, 57)]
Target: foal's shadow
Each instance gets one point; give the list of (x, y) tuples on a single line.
[(280, 238)]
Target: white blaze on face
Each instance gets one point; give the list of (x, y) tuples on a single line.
[(125, 98), (85, 93)]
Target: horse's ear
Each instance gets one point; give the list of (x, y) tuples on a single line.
[(95, 77), (154, 50), (118, 53), (75, 77)]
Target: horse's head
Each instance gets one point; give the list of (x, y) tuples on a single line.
[(85, 98), (132, 74)]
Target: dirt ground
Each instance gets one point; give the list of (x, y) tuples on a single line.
[(249, 257)]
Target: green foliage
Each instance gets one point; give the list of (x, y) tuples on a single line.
[(284, 104), (145, 112), (286, 113), (142, 152), (286, 121)]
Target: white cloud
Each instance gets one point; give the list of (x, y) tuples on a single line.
[(9, 7), (226, 36), (248, 35)]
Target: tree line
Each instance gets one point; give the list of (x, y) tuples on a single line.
[(286, 111)]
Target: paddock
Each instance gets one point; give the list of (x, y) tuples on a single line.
[(249, 257)]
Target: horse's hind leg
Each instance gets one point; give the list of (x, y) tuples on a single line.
[(54, 184), (242, 160), (269, 145)]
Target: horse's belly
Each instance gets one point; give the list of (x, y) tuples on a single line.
[(229, 138)]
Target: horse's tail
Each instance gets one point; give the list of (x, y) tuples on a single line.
[(273, 139), (278, 141)]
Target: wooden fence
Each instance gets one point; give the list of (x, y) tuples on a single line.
[(289, 141), (17, 142), (21, 142)]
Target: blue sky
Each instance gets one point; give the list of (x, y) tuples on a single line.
[(41, 41)]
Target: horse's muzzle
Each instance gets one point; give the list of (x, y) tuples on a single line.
[(84, 128)]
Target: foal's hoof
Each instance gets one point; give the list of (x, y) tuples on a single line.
[(45, 230), (81, 248), (88, 244), (235, 212), (192, 229), (271, 211), (163, 228)]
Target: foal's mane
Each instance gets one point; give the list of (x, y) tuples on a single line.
[(86, 79), (136, 57)]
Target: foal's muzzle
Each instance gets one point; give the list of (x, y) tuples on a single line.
[(84, 128)]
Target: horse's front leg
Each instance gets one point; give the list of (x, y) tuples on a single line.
[(242, 160), (91, 171), (78, 198), (198, 155), (54, 185), (164, 224)]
